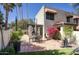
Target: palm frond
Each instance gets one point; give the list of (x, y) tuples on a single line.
[(75, 5)]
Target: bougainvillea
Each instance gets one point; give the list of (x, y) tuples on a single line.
[(52, 32)]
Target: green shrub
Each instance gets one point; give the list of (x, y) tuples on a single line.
[(8, 50), (57, 36), (16, 35)]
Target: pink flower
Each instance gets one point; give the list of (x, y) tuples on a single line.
[(52, 31)]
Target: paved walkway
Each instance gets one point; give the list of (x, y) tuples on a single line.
[(36, 46)]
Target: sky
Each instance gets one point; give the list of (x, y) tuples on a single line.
[(31, 9)]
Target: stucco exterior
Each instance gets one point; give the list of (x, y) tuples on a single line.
[(39, 18), (60, 16)]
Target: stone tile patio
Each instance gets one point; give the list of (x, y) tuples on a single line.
[(27, 46)]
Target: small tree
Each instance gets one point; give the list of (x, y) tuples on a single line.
[(68, 30)]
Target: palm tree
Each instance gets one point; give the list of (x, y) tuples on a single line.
[(7, 7), (1, 25), (75, 6), (19, 9), (22, 12)]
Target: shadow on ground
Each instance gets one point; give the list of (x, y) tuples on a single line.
[(29, 47)]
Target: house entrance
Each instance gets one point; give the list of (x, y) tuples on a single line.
[(38, 28)]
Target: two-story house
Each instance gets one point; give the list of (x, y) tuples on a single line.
[(46, 17)]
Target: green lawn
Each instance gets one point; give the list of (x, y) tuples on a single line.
[(67, 51), (63, 51)]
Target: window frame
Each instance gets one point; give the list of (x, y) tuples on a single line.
[(50, 16), (68, 19), (76, 20)]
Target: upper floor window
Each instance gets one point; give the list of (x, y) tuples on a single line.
[(69, 18), (76, 20), (49, 16)]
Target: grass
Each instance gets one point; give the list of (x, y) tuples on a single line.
[(63, 51), (67, 51)]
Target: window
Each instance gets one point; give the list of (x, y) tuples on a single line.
[(69, 18), (76, 20), (49, 16)]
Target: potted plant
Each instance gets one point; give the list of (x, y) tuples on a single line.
[(15, 37)]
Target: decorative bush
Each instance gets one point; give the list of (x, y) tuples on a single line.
[(20, 32), (53, 33)]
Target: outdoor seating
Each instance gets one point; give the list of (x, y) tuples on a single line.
[(36, 38)]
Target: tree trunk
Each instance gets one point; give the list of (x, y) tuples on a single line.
[(22, 12), (16, 24), (17, 17), (6, 21), (19, 10)]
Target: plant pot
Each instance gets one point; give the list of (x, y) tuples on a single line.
[(65, 42), (16, 46)]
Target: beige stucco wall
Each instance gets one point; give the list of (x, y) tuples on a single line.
[(39, 18), (6, 37), (76, 35)]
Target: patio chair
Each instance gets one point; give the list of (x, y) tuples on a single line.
[(36, 38)]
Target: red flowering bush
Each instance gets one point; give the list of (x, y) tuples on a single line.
[(53, 32)]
